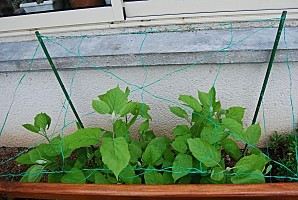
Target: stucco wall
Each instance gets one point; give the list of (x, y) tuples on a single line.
[(239, 81), (238, 84)]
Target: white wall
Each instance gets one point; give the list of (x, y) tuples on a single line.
[(238, 84)]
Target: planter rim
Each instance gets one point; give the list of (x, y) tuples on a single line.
[(89, 191)]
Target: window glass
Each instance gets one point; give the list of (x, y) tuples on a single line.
[(21, 7)]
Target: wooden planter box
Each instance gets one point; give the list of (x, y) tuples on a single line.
[(280, 191)]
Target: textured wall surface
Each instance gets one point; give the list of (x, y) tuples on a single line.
[(165, 54), (237, 84)]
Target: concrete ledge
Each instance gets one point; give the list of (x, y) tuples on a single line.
[(167, 48)]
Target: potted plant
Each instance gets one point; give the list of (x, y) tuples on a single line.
[(203, 151)]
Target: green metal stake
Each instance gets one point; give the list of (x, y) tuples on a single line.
[(273, 52), (58, 78)]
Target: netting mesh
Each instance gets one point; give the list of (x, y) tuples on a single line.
[(209, 134)]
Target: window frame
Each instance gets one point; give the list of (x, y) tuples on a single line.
[(146, 13)]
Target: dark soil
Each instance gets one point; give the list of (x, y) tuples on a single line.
[(10, 170)]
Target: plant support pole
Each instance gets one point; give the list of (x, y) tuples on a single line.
[(273, 52), (58, 78)]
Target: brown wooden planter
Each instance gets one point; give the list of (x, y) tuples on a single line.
[(280, 191)]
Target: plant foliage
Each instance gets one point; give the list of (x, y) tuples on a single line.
[(198, 152)]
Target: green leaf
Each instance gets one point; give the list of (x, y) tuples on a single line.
[(167, 178), (207, 99), (253, 134), (55, 178), (101, 178), (251, 163), (204, 152), (42, 121), (235, 113), (152, 176), (81, 159), (120, 128), (234, 127), (231, 148), (181, 130), (81, 138), (179, 112), (100, 106), (74, 176), (142, 109), (212, 134), (217, 174), (127, 91), (169, 155), (115, 154), (115, 99), (180, 145), (128, 175), (252, 177), (135, 149), (185, 179), (127, 108), (54, 148), (155, 150), (144, 126), (33, 156), (31, 128), (33, 174), (191, 102), (182, 166)]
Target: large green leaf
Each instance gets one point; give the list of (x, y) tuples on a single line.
[(33, 174), (182, 166), (179, 112), (127, 108), (74, 176), (253, 134), (235, 128), (217, 174), (115, 99), (115, 154), (101, 178), (42, 121), (212, 134), (54, 148), (191, 102), (180, 145), (100, 106), (153, 177), (181, 130), (204, 152), (155, 150), (120, 129), (252, 177), (207, 99), (251, 163), (35, 156), (231, 148), (167, 178), (135, 149), (128, 175), (235, 113), (81, 138)]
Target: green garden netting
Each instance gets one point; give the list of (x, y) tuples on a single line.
[(144, 91)]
